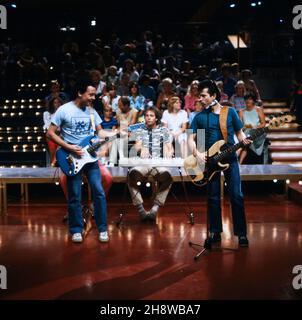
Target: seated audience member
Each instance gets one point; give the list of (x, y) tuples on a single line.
[(55, 92), (198, 106), (237, 100), (51, 108), (227, 80), (250, 85), (112, 76), (176, 120), (252, 118), (137, 101), (109, 122), (147, 90), (182, 87), (125, 114), (165, 95), (111, 98), (123, 88), (191, 96), (100, 86), (224, 99), (156, 147), (130, 69)]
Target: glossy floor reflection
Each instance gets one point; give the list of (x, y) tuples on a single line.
[(151, 261)]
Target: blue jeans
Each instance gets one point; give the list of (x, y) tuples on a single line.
[(74, 185), (232, 177)]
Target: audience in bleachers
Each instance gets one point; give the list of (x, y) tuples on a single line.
[(135, 74)]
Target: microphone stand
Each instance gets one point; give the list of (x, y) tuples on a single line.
[(207, 246)]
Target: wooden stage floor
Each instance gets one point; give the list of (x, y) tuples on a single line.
[(151, 261)]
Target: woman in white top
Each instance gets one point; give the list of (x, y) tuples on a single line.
[(176, 120)]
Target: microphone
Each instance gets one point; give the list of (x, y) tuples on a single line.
[(211, 105)]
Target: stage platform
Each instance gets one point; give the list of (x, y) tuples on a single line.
[(26, 176)]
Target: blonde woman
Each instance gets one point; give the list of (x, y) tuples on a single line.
[(237, 100), (176, 120), (192, 96)]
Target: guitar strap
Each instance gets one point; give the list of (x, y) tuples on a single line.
[(223, 122), (92, 119)]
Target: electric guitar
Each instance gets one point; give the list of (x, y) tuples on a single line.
[(71, 164), (219, 151)]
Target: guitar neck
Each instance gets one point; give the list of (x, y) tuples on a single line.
[(100, 143), (225, 153)]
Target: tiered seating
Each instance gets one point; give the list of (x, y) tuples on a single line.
[(286, 141), (22, 139)]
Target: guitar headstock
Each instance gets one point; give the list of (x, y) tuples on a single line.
[(278, 121)]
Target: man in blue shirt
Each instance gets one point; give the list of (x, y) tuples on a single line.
[(74, 119), (208, 119)]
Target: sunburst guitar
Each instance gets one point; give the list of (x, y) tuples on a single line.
[(219, 152)]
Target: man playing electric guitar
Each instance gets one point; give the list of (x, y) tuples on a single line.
[(77, 121), (210, 119)]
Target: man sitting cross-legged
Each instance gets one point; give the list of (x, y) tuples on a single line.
[(152, 141)]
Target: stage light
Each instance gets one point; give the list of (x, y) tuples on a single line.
[(233, 38), (93, 23), (253, 4), (51, 68), (275, 180), (72, 29), (259, 3), (281, 20), (300, 183), (233, 5), (14, 6), (287, 181), (138, 183), (148, 184)]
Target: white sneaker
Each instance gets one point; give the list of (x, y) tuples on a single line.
[(104, 236), (110, 164), (77, 237)]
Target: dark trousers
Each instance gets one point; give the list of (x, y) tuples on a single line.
[(232, 177)]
